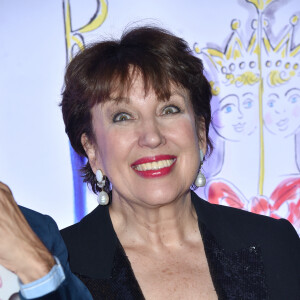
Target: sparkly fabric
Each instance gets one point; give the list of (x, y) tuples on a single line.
[(237, 274), (240, 249), (121, 286)]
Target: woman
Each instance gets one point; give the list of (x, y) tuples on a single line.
[(139, 110)]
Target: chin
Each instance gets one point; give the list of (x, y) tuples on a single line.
[(162, 196)]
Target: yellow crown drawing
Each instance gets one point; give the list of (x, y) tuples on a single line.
[(237, 64), (281, 62), (258, 62), (240, 64)]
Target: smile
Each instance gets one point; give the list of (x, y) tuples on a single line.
[(283, 124), (239, 127), (154, 166)]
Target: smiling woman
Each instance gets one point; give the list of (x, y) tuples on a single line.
[(146, 137), (139, 109)]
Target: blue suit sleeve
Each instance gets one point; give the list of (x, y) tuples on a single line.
[(46, 229)]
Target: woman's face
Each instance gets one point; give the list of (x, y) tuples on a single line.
[(235, 116), (149, 149), (282, 110)]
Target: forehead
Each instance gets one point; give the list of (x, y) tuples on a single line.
[(283, 91), (139, 87)]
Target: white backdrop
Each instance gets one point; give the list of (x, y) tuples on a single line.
[(34, 150)]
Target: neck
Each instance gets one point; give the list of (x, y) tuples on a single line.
[(241, 165), (280, 160), (280, 155), (166, 225)]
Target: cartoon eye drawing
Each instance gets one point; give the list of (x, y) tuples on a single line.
[(248, 103), (271, 103), (228, 108), (294, 98)]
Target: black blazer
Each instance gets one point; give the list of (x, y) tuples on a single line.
[(249, 256)]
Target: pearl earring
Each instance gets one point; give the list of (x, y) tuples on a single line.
[(200, 180), (102, 198)]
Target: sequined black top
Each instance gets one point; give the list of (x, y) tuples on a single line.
[(249, 256)]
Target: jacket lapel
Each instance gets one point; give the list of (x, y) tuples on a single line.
[(236, 267)]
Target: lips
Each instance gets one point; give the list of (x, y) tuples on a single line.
[(154, 166), (282, 124), (239, 127)]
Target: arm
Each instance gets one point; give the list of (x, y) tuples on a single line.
[(71, 287), (28, 249)]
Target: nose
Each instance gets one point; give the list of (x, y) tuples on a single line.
[(280, 109), (150, 134), (240, 113)]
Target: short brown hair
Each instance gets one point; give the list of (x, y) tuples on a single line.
[(108, 66)]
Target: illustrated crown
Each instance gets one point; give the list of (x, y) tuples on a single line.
[(237, 64), (281, 62), (262, 60), (240, 65)]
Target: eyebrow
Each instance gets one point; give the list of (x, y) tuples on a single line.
[(291, 90), (273, 94), (230, 95), (248, 93)]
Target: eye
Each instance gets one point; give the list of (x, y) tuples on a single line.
[(121, 117), (248, 103), (271, 103), (294, 98), (171, 109), (227, 108)]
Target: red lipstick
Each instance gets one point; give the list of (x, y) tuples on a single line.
[(152, 173)]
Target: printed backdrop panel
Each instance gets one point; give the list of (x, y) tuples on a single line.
[(251, 55), (250, 49)]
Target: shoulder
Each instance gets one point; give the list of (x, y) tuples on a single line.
[(43, 225), (33, 217), (47, 231), (234, 230), (95, 225), (230, 225), (91, 244)]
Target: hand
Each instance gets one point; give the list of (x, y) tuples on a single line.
[(21, 251)]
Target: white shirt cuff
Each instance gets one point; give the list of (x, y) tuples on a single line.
[(45, 285)]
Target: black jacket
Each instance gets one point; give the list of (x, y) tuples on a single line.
[(249, 256)]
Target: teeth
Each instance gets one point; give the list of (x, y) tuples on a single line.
[(156, 165)]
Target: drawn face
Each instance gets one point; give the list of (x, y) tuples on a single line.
[(235, 116), (282, 110)]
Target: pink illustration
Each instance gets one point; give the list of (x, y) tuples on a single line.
[(255, 82)]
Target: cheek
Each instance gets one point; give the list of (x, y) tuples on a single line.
[(187, 142), (183, 133), (296, 111), (117, 142), (218, 120), (251, 117), (268, 119), (110, 147), (188, 129)]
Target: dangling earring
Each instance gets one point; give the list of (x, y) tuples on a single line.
[(102, 198), (200, 180)]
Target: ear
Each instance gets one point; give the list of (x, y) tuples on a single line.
[(201, 132), (91, 152)]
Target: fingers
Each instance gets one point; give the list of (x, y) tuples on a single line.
[(5, 188), (6, 197), (17, 240)]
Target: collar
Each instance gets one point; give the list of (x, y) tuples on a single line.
[(92, 242)]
